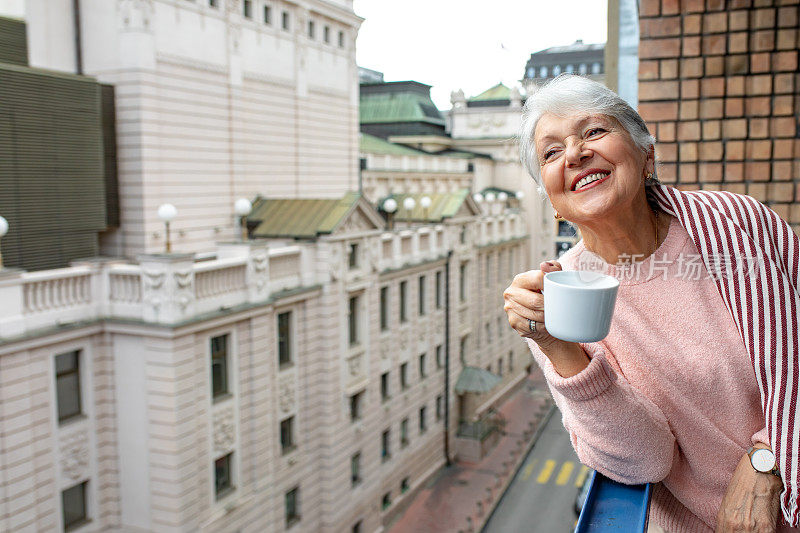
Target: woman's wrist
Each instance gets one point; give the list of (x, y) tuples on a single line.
[(568, 358)]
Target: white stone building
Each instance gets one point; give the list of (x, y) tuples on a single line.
[(292, 381)]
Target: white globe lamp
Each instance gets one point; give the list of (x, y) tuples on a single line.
[(390, 205), (425, 202), (242, 208), (409, 204), (478, 197), (520, 195), (490, 197), (167, 213), (502, 197), (3, 232)]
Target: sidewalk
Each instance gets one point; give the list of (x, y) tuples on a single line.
[(461, 496)]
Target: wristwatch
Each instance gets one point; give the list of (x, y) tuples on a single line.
[(763, 460)]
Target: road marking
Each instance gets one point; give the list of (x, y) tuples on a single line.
[(566, 471), (529, 469), (581, 476), (544, 475)]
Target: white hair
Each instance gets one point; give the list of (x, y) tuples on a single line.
[(568, 94)]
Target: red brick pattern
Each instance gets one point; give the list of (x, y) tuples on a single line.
[(719, 88)]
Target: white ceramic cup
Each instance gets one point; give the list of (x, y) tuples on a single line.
[(579, 304)]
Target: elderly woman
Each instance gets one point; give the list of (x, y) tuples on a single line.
[(708, 294)]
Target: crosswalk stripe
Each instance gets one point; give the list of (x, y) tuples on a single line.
[(581, 476), (544, 475), (529, 469), (566, 471)]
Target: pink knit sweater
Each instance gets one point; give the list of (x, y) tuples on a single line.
[(670, 395)]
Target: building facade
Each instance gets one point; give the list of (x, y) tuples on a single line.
[(303, 378)]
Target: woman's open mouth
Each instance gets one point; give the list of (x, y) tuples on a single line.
[(590, 180)]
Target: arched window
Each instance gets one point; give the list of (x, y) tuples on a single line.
[(570, 69), (542, 72), (582, 68), (595, 68), (556, 70), (531, 73)]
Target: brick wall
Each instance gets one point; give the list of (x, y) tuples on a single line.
[(719, 87)]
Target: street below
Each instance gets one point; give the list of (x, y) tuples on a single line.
[(541, 496)]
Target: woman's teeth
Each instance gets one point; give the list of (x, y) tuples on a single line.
[(589, 179)]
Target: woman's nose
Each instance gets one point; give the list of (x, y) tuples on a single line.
[(576, 152)]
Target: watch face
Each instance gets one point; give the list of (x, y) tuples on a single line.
[(763, 460)]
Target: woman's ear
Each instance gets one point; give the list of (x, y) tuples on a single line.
[(650, 161)]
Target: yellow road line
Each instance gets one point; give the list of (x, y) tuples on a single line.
[(528, 469), (544, 475), (566, 471), (581, 476)]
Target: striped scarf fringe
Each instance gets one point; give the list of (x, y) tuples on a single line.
[(763, 302)]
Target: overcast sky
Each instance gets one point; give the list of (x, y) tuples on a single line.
[(467, 44)]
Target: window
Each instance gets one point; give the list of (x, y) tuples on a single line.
[(422, 361), (386, 502), (556, 70), (403, 301), (462, 236), (73, 506), (596, 68), (542, 72), (462, 350), (439, 407), (284, 338), (285, 20), (68, 385), (439, 290), (213, 3), (404, 433), (341, 39), (404, 376), (248, 8), (355, 469), (385, 386), (267, 15), (352, 256), (223, 479), (570, 69), (488, 271), (530, 73), (219, 366), (462, 282), (582, 69), (510, 361), (386, 452), (310, 29), (384, 308), (488, 333), (352, 319), (421, 295), (500, 367), (356, 400), (292, 507), (357, 527), (439, 359), (287, 435), (404, 485), (326, 34), (423, 422)]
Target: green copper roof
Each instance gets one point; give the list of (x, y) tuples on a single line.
[(443, 205), (498, 92), (474, 379), (299, 218), (398, 107), (375, 145)]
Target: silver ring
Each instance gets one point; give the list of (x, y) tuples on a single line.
[(532, 325)]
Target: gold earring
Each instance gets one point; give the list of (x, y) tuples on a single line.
[(648, 177), (557, 216)]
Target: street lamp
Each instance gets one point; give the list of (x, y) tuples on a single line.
[(242, 208), (490, 197), (3, 231), (390, 206), (478, 197), (425, 203), (167, 213), (409, 203), (520, 195), (502, 197)]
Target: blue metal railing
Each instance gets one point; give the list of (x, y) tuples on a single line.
[(612, 506)]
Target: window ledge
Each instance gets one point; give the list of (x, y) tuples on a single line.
[(74, 419), (78, 525), (220, 398), (288, 450)]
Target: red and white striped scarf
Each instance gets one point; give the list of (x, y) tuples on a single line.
[(764, 304)]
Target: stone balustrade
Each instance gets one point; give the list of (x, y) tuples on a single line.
[(174, 288)]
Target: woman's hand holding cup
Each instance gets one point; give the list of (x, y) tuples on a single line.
[(524, 301)]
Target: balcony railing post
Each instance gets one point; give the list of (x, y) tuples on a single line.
[(11, 310)]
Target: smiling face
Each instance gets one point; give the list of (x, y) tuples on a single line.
[(590, 166)]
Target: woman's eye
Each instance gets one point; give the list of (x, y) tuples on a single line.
[(594, 131), (549, 153)]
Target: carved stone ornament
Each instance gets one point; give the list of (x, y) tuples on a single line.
[(75, 456), (286, 393), (136, 14), (374, 250), (224, 430), (336, 259), (183, 284), (385, 351), (153, 282), (354, 365), (260, 263)]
